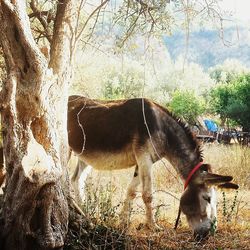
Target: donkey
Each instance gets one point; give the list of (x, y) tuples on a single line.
[(110, 135)]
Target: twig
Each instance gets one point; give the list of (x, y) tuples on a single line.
[(130, 29), (78, 208), (89, 18), (166, 192), (40, 16)]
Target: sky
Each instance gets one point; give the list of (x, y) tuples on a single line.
[(239, 8)]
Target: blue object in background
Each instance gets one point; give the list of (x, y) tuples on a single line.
[(211, 125)]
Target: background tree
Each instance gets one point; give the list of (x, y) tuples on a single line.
[(219, 100), (187, 105), (228, 71), (231, 101)]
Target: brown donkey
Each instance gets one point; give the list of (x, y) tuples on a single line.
[(111, 135)]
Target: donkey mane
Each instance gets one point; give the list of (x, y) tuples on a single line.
[(191, 137), (194, 142)]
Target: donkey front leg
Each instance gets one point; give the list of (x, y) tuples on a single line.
[(145, 173), (131, 194)]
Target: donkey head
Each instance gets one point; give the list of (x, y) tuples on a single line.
[(198, 202)]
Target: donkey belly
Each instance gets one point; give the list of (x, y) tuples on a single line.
[(109, 160)]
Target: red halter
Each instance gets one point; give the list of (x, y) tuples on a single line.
[(191, 174)]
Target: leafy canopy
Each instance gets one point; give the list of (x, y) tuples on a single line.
[(232, 100), (187, 105)]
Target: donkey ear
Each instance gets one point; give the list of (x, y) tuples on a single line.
[(228, 185), (215, 179)]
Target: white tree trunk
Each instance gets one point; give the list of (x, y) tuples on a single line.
[(34, 114)]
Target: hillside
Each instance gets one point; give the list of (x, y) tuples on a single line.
[(208, 49)]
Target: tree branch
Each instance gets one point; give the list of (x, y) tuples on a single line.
[(46, 13), (145, 6), (61, 54), (40, 15), (8, 4), (18, 38), (89, 18), (130, 29)]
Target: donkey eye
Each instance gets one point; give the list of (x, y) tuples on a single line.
[(207, 198)]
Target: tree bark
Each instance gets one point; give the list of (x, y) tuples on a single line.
[(34, 115), (2, 174)]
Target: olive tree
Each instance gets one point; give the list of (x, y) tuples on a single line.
[(231, 101), (33, 103)]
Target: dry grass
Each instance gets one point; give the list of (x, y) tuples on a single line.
[(106, 191), (231, 160)]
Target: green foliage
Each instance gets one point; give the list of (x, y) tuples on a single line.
[(107, 77), (186, 105), (220, 99), (127, 84), (191, 78), (229, 209), (98, 203), (232, 100), (228, 71), (137, 17), (213, 226)]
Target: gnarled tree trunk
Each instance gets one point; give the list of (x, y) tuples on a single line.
[(34, 115)]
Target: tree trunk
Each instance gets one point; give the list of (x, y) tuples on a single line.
[(34, 116), (2, 174)]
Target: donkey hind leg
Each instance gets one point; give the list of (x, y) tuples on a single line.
[(78, 179), (145, 173), (131, 194)]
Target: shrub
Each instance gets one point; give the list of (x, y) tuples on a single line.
[(187, 105)]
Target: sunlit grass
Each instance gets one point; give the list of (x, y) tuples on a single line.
[(230, 160)]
